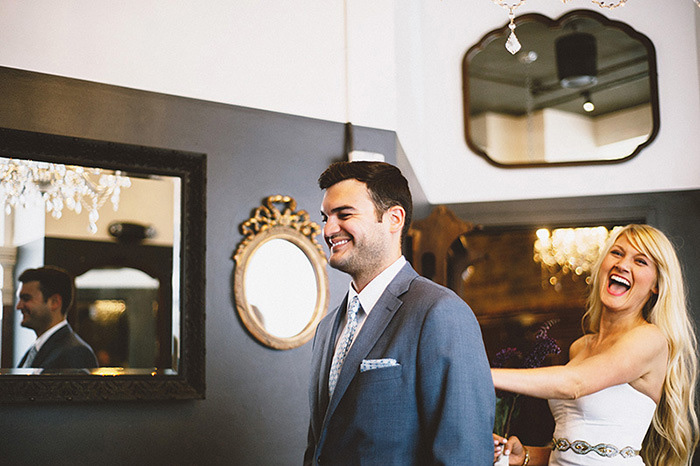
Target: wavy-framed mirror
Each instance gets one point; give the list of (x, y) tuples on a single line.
[(581, 90), (280, 281), (145, 280)]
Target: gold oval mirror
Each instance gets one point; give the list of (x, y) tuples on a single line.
[(280, 282), (581, 90)]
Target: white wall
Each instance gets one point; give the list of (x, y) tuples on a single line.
[(148, 202), (403, 73), (451, 173)]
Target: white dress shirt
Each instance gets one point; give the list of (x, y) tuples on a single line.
[(43, 338), (370, 295)]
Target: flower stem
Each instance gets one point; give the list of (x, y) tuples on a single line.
[(510, 415)]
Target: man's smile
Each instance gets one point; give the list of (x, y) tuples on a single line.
[(334, 243)]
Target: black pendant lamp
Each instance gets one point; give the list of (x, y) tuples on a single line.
[(577, 60)]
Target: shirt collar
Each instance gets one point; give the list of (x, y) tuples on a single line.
[(47, 334), (370, 294)]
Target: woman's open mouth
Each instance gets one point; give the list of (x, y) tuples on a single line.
[(618, 285)]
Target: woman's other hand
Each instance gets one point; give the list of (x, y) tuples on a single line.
[(510, 447)]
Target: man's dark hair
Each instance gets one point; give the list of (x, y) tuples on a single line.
[(386, 185), (52, 280)]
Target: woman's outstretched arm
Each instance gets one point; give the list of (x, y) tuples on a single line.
[(633, 355)]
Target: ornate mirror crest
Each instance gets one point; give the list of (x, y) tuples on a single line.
[(280, 282)]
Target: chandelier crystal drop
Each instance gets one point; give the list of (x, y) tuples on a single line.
[(608, 5), (513, 45), (27, 182)]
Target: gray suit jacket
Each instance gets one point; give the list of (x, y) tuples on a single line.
[(64, 350), (435, 406)]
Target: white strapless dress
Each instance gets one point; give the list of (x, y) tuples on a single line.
[(618, 416)]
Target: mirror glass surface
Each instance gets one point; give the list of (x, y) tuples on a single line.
[(286, 307), (86, 249), (139, 268), (117, 313), (518, 113), (280, 281)]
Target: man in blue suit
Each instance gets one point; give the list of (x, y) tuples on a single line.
[(44, 300), (404, 379)]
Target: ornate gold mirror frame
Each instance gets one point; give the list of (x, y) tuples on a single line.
[(280, 282)]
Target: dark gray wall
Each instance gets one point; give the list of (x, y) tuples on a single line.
[(256, 408)]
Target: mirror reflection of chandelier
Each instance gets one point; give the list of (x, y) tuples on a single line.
[(569, 251), (27, 182)]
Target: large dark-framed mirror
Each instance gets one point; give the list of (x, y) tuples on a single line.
[(148, 283), (581, 90)]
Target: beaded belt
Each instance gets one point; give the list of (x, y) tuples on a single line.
[(581, 447)]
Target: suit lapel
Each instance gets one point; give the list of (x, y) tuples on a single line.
[(24, 358), (50, 344)]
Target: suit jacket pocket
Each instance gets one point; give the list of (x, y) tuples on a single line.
[(377, 375)]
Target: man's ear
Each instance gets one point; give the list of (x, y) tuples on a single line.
[(396, 216), (55, 302)]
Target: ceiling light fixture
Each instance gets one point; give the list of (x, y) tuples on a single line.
[(588, 104), (27, 182), (577, 60), (513, 44)]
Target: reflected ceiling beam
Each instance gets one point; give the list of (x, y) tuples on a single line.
[(592, 90)]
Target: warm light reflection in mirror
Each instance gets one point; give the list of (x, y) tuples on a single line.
[(571, 251)]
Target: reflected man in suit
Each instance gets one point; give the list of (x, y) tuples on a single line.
[(44, 299), (414, 387)]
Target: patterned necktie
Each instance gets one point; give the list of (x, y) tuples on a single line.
[(344, 345), (31, 354)]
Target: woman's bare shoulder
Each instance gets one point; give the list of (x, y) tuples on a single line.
[(579, 345), (646, 335)]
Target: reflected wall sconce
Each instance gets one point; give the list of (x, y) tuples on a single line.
[(129, 232)]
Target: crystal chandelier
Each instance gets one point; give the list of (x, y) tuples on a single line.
[(569, 251), (513, 44), (28, 182)]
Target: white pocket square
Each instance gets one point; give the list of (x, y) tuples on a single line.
[(371, 364)]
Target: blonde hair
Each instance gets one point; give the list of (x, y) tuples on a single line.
[(674, 434)]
